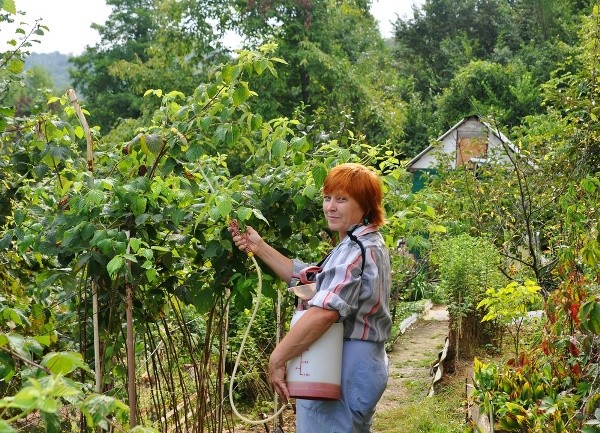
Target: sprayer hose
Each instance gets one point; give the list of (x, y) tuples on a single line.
[(237, 361)]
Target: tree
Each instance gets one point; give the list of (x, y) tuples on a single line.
[(146, 44), (445, 34), (507, 94), (340, 73)]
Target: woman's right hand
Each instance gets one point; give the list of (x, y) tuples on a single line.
[(249, 241)]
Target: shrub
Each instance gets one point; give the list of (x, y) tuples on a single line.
[(467, 267)]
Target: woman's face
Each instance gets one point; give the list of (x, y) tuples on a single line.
[(341, 212)]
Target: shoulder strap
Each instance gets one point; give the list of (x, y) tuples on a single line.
[(363, 252)]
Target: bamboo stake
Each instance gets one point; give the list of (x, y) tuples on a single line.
[(86, 128), (224, 332), (90, 163)]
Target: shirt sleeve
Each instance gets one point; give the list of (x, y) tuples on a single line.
[(297, 267), (339, 283)]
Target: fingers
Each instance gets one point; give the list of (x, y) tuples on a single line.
[(240, 240), (277, 379)]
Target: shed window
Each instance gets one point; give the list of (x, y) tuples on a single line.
[(469, 148)]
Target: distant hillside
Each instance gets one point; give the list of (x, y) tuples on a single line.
[(56, 64)]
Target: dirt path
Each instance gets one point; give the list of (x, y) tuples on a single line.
[(412, 357)]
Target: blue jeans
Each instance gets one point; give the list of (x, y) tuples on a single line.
[(364, 378)]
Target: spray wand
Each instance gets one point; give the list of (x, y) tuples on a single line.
[(235, 231)]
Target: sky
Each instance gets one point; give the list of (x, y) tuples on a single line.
[(69, 21)]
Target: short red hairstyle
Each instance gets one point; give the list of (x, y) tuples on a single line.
[(363, 185)]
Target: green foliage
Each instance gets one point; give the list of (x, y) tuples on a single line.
[(509, 306), (489, 89), (467, 268), (511, 302), (556, 380), (146, 44), (552, 384), (340, 76), (149, 211)]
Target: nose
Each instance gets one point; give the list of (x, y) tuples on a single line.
[(329, 205)]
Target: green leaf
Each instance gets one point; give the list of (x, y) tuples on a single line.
[(243, 214), (241, 94), (19, 217), (310, 191), (6, 427), (151, 143), (94, 197), (97, 407), (9, 6), (151, 274), (115, 265), (135, 244), (212, 249), (15, 315), (52, 422), (221, 133), (16, 66), (319, 172), (63, 362), (589, 315), (212, 90), (261, 65), (224, 206), (257, 121), (44, 340), (137, 203), (258, 214), (20, 344), (230, 73), (7, 366), (27, 398), (279, 148)]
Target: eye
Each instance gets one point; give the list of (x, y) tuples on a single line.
[(326, 198)]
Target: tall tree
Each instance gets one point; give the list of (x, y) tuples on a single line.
[(126, 35), (147, 44), (339, 70)]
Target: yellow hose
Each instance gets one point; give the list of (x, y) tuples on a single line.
[(237, 361)]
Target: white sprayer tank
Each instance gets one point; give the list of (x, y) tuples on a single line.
[(316, 374)]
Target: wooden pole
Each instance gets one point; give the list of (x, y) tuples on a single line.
[(130, 344)]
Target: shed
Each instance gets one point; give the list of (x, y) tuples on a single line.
[(471, 141)]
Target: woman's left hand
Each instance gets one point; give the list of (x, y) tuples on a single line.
[(277, 378)]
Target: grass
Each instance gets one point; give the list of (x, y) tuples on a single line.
[(444, 412)]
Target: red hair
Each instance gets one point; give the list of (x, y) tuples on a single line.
[(363, 185)]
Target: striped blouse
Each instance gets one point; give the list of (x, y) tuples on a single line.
[(363, 302)]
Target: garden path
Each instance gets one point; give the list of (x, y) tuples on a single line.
[(413, 355)]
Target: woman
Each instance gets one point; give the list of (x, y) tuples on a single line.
[(353, 287)]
